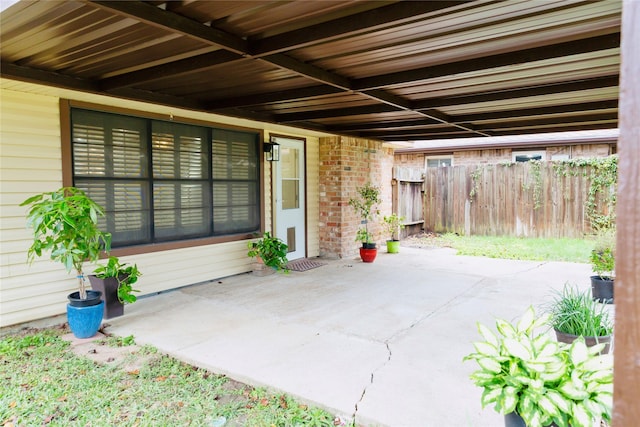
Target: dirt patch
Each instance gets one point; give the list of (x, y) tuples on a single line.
[(126, 357)]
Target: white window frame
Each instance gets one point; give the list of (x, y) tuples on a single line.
[(532, 153), (441, 157)]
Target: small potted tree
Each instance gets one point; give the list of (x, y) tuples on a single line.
[(115, 281), (603, 263), (535, 381), (269, 251), (65, 224), (364, 204), (392, 224)]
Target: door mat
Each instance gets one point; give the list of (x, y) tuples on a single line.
[(304, 264)]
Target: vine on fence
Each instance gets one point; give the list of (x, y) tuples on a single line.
[(475, 178), (603, 179)]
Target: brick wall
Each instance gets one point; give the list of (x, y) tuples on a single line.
[(345, 164)]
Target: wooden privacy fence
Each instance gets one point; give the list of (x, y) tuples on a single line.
[(533, 199), (407, 201)]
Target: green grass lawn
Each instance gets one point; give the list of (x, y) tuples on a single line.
[(42, 382), (534, 249)]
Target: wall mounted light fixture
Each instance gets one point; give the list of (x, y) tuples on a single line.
[(272, 148)]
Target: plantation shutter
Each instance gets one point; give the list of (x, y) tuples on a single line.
[(110, 165), (181, 185), (235, 182)]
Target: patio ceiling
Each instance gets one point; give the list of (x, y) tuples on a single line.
[(388, 70)]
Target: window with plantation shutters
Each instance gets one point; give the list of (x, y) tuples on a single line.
[(164, 181)]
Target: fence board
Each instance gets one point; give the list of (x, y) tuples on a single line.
[(521, 199)]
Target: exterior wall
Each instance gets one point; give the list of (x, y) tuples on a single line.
[(501, 155), (410, 160), (30, 160), (345, 164), (474, 157)]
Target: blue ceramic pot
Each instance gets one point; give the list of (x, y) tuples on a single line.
[(85, 321)]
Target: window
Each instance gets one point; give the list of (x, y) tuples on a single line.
[(527, 156), (164, 181), (438, 161)]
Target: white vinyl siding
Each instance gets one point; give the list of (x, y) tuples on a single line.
[(30, 159)]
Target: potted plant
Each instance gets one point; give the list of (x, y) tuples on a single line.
[(115, 281), (65, 224), (574, 314), (536, 381), (603, 263), (367, 198), (270, 251), (392, 224)]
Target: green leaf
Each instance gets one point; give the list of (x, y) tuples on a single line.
[(580, 416), (598, 363), (578, 352), (490, 395), (486, 349), (516, 348), (509, 399), (527, 320), (488, 335), (505, 328), (548, 406), (490, 365), (569, 389), (559, 401)]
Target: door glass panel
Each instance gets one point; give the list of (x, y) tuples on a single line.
[(289, 163), (289, 158), (290, 199)]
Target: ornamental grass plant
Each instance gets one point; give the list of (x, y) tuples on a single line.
[(576, 313)]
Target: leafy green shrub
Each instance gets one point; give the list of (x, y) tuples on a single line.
[(271, 250), (125, 275), (542, 380)]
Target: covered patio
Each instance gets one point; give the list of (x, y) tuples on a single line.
[(383, 342), (349, 81)]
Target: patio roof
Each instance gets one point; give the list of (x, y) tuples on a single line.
[(387, 70)]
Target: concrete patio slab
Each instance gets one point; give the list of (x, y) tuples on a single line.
[(380, 342)]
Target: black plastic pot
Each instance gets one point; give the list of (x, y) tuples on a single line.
[(93, 298), (589, 341), (602, 289), (513, 419)]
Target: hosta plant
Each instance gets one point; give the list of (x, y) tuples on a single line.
[(542, 380)]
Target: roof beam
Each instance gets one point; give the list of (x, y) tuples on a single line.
[(584, 108), (560, 87), (544, 121), (168, 20), (393, 14), (544, 129), (31, 75), (335, 112), (274, 97), (609, 41), (381, 125), (172, 69)]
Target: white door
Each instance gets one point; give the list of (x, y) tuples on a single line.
[(289, 196)]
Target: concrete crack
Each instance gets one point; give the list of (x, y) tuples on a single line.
[(364, 390)]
